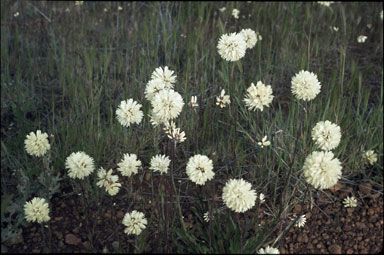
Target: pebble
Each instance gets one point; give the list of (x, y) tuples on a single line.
[(302, 238), (297, 208), (147, 177), (335, 249), (349, 251), (72, 239), (365, 188)]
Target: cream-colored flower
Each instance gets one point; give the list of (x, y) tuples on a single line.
[(370, 156), (350, 202), (325, 3), (231, 47), (262, 198), (381, 15), (250, 37), (193, 103), (264, 142), (300, 221), (119, 8), (361, 38), (235, 13), (108, 181), (16, 14), (135, 222), (335, 29), (268, 250), (177, 135), (258, 96), (238, 195), (80, 165), (105, 9), (222, 9), (129, 165), (321, 169), (79, 2), (160, 163), (207, 217), (326, 135), (129, 112), (37, 144), (199, 169), (223, 99), (153, 87), (36, 210), (167, 105), (165, 75), (305, 85)]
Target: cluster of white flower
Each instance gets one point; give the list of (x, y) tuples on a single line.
[(370, 156), (200, 169), (129, 165), (238, 195), (350, 202), (361, 38), (300, 221), (223, 99), (235, 13), (325, 3), (37, 144), (305, 85), (135, 222), (36, 210), (258, 96), (108, 181), (129, 112), (326, 135), (174, 133), (160, 163), (80, 165), (268, 250), (264, 142), (193, 103)]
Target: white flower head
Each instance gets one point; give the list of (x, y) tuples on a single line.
[(223, 99), (325, 3), (262, 198), (321, 169), (258, 96), (335, 29), (350, 202), (207, 217), (193, 103), (16, 14), (79, 2), (119, 8), (222, 9), (238, 195), (268, 250), (160, 163), (153, 86), (165, 75), (232, 46), (381, 15), (235, 13), (361, 38), (135, 222), (264, 142), (108, 181), (129, 112), (177, 135), (370, 156), (80, 165), (305, 85), (129, 165), (167, 105), (326, 135), (250, 37), (300, 221), (37, 144), (36, 210), (200, 169)]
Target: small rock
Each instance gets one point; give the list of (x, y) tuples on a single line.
[(147, 177), (36, 250), (72, 239), (335, 249), (349, 251), (371, 211), (297, 209), (350, 210), (365, 188), (360, 225), (347, 228), (302, 238), (120, 214)]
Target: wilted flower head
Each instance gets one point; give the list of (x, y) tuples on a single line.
[(37, 144), (261, 198), (108, 181), (325, 3), (135, 222), (129, 165), (129, 112), (174, 133), (167, 105), (165, 75), (300, 221), (370, 156), (264, 142), (80, 165), (207, 217), (199, 169), (250, 37), (326, 135), (223, 99), (321, 170), (36, 210), (235, 13), (232, 46), (193, 103), (153, 86), (238, 195), (160, 163), (350, 202), (361, 38), (268, 250), (305, 85), (258, 96)]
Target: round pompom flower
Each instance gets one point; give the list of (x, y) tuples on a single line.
[(165, 75), (326, 135), (160, 163), (135, 222), (321, 170), (36, 210), (129, 165), (232, 46), (370, 156), (258, 96), (167, 105), (37, 144), (129, 112), (199, 169), (268, 250), (238, 195), (109, 181), (305, 85), (80, 165), (250, 37)]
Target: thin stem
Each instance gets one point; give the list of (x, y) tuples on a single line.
[(241, 233)]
